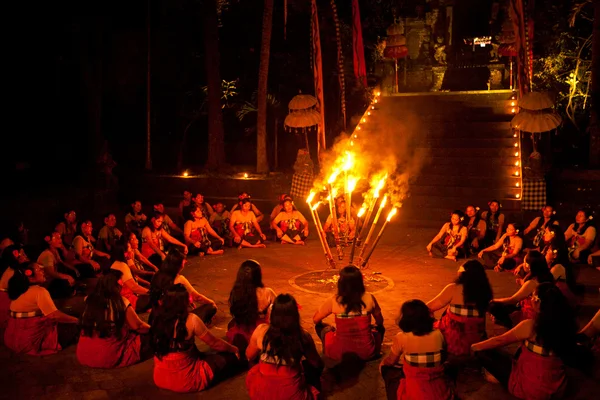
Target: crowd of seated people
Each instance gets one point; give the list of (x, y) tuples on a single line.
[(265, 335)]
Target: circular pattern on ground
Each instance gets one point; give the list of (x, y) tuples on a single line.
[(325, 282)]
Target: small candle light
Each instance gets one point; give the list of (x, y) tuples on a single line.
[(516, 144), (515, 135), (512, 103), (517, 154), (518, 195), (375, 101), (185, 174), (518, 184), (378, 93), (358, 127), (364, 120), (517, 173), (245, 175), (368, 112), (517, 164), (513, 111), (372, 107)]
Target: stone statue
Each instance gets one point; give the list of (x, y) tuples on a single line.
[(494, 52), (440, 51)]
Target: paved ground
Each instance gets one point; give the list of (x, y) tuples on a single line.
[(400, 257)]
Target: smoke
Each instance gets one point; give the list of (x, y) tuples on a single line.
[(384, 145)]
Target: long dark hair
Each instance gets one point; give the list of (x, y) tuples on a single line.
[(461, 219), (476, 286), (191, 209), (118, 251), (351, 289), (415, 317), (477, 217), (19, 283), (243, 303), (104, 312), (491, 216), (588, 222), (164, 278), (538, 268), (542, 218), (173, 310), (285, 340), (558, 245), (555, 324), (157, 215)]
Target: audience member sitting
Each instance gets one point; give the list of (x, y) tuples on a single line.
[(290, 224), (219, 221), (140, 261), (506, 253), (178, 364), (494, 222), (476, 229), (243, 196), (153, 247), (580, 236), (198, 200), (538, 370), (245, 227), (59, 284), (289, 366), (85, 253), (112, 334), (414, 369), (68, 229), (130, 289), (518, 307), (279, 207), (196, 233), (185, 202), (463, 322), (534, 233), (136, 219), (109, 234), (168, 225), (352, 307), (249, 304), (557, 257), (449, 241), (36, 327)]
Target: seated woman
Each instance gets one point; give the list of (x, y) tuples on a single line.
[(580, 237), (185, 202), (534, 233), (518, 307), (90, 260), (352, 307), (178, 364), (153, 247), (449, 241), (109, 234), (140, 274), (476, 229), (12, 256), (463, 322), (196, 231), (168, 225), (344, 229), (279, 207), (506, 253), (537, 370), (557, 257), (130, 289), (289, 366), (136, 219), (290, 224), (36, 327), (110, 328), (59, 284), (414, 368), (170, 274), (219, 221), (141, 262), (238, 206), (206, 208), (245, 227), (249, 304), (68, 230), (494, 222)]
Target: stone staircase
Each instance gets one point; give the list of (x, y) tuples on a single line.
[(470, 154)]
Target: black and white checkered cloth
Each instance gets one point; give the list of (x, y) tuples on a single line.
[(534, 195), (537, 349), (429, 359), (301, 185), (465, 311)]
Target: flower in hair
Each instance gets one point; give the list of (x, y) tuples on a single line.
[(476, 208), (553, 212), (591, 217), (28, 272), (462, 218)]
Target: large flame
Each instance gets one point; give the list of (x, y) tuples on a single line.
[(392, 212), (362, 211)]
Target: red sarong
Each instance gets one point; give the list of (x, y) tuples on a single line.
[(182, 372), (109, 352), (129, 295), (266, 381), (36, 336), (239, 334), (424, 383), (353, 335), (460, 332), (527, 310), (537, 377), (4, 310)]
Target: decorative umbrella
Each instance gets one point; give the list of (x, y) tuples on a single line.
[(302, 121), (302, 102), (395, 47), (536, 121), (535, 101)]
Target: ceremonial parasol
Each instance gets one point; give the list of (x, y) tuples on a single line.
[(302, 115)]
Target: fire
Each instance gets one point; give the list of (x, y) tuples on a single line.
[(391, 214), (349, 162), (310, 198), (333, 176), (315, 206), (352, 181), (362, 211), (383, 201)]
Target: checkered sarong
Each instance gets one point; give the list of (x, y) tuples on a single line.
[(301, 185), (465, 311), (534, 195), (429, 359), (350, 315), (537, 349)]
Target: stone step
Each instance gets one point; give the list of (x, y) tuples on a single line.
[(477, 142), (476, 154), (457, 201), (474, 161), (473, 170), (463, 192), (446, 180)]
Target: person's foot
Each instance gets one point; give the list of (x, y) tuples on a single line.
[(498, 268), (300, 243), (217, 252), (453, 258), (284, 242)]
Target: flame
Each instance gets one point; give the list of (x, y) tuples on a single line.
[(391, 213), (333, 176), (379, 186), (314, 207), (349, 162), (310, 197), (383, 201), (352, 181), (362, 211)]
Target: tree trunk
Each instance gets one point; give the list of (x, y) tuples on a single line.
[(216, 134), (595, 108), (148, 102), (340, 60), (262, 162)]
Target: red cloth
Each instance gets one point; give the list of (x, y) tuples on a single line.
[(4, 310), (182, 372), (460, 332), (109, 352), (246, 332), (353, 335), (424, 383), (318, 75), (527, 310), (128, 294), (36, 336), (266, 381), (536, 377), (360, 69)]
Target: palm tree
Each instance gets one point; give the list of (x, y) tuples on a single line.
[(595, 109), (262, 162)]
